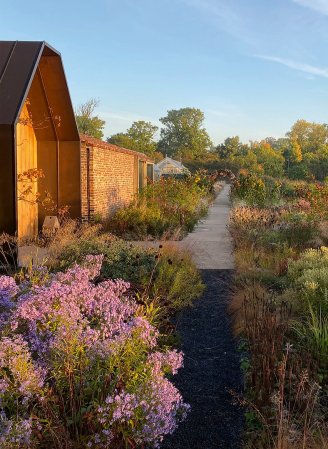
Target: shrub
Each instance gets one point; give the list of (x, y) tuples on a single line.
[(309, 275), (168, 208), (313, 335), (250, 188), (166, 273), (256, 190), (176, 278), (80, 366)]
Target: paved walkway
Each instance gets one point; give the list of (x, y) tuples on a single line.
[(210, 242), (212, 365)]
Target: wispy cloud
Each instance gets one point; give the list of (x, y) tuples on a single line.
[(321, 6), (301, 67), (216, 113), (224, 111), (222, 14), (126, 117)]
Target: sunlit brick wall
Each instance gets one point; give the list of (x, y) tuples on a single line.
[(113, 179)]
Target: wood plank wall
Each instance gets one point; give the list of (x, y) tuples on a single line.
[(26, 146)]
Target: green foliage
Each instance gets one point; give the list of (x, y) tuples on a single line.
[(302, 154), (177, 278), (121, 140), (231, 147), (309, 136), (88, 123), (139, 137), (256, 190), (166, 209), (183, 134), (166, 274), (281, 304), (309, 275), (272, 161), (313, 335)]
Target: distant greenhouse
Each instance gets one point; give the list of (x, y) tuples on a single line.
[(168, 167)]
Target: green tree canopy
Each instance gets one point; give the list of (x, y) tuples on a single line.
[(271, 160), (139, 137), (231, 147), (310, 136), (88, 123), (122, 140), (183, 134)]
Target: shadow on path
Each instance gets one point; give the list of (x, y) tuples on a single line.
[(211, 370)]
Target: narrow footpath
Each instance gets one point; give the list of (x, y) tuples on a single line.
[(211, 368)]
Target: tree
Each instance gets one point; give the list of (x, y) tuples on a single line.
[(310, 136), (271, 160), (88, 123), (121, 140), (142, 133), (139, 137), (183, 134), (229, 147)]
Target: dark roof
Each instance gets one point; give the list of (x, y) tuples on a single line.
[(92, 141), (18, 63), (21, 62)]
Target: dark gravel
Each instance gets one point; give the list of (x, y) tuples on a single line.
[(211, 370)]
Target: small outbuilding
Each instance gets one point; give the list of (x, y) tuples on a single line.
[(43, 155), (170, 167), (38, 134), (111, 176)]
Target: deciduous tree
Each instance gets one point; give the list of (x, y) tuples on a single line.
[(183, 134), (139, 137), (88, 123)]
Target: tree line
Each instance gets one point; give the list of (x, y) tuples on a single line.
[(301, 154)]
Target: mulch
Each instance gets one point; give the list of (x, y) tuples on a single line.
[(211, 371)]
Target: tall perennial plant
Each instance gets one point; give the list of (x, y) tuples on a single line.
[(80, 366)]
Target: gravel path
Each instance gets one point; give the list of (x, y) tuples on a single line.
[(212, 363), (211, 370)]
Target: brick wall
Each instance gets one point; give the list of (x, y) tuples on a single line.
[(113, 177)]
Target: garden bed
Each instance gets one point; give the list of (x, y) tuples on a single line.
[(86, 361), (165, 210), (280, 313)]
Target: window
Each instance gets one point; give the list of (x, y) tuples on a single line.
[(141, 175), (150, 173)]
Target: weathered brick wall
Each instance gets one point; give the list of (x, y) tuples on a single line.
[(112, 179)]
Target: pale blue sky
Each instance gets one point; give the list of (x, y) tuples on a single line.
[(253, 66)]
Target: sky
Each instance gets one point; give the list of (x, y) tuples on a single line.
[(253, 67)]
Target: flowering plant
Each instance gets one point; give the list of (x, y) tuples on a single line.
[(80, 366)]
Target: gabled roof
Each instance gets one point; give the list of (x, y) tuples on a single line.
[(19, 62), (92, 141), (167, 160)]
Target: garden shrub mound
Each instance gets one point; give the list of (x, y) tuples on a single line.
[(280, 309), (167, 209), (167, 274), (80, 364)]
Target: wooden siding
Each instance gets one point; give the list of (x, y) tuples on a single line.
[(26, 150)]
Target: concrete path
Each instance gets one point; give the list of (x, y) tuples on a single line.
[(210, 242)]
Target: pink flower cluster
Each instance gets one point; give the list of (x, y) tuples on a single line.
[(44, 319), (8, 289), (157, 406)]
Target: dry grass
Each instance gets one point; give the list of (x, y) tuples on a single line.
[(73, 233)]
